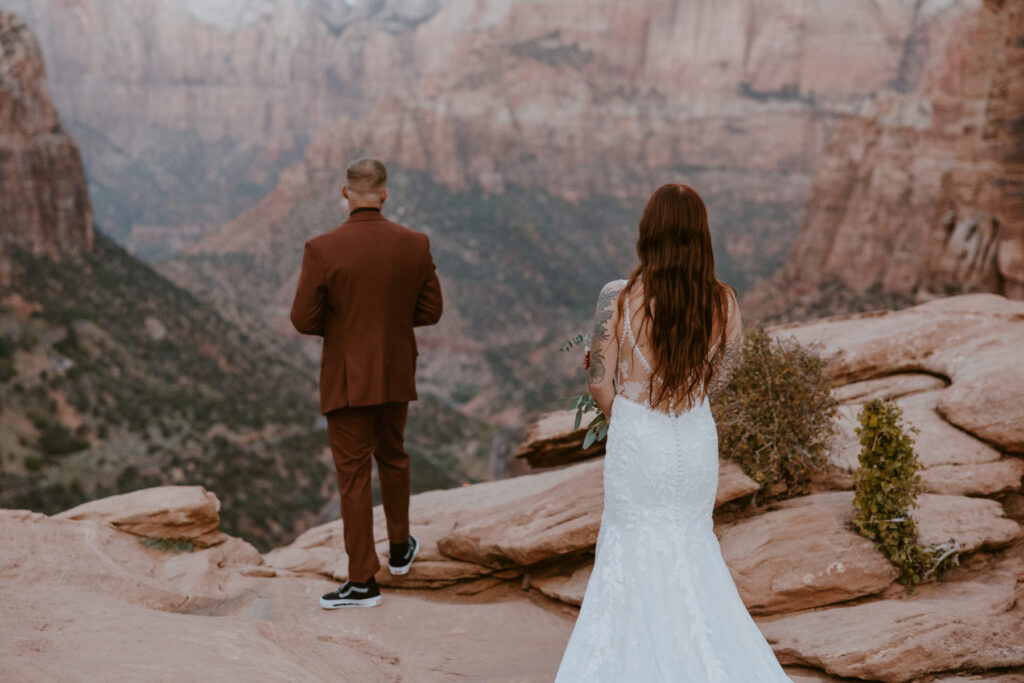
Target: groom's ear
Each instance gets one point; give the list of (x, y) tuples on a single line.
[(384, 196), (344, 191)]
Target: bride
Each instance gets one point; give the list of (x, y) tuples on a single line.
[(660, 604)]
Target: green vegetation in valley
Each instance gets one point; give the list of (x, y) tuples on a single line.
[(170, 392), (171, 545)]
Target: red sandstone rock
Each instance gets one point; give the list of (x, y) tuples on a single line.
[(973, 339), (553, 440), (71, 588), (887, 387), (804, 555), (983, 479), (512, 94), (937, 443), (947, 626), (44, 201), (566, 588), (170, 512), (921, 194)]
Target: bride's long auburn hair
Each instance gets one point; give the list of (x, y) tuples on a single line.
[(682, 296)]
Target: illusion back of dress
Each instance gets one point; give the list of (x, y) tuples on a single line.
[(635, 367)]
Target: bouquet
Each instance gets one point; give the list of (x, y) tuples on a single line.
[(597, 429)]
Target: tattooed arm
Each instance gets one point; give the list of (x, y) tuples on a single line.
[(733, 349), (604, 349)]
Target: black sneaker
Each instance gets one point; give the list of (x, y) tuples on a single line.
[(401, 556), (351, 594)]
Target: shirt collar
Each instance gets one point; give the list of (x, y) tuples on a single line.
[(363, 208)]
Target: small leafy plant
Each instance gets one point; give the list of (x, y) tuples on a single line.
[(583, 404), (887, 485)]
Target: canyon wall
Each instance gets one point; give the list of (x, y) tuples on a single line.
[(921, 194), (188, 112), (44, 202), (526, 137)]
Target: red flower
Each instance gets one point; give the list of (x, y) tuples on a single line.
[(586, 360)]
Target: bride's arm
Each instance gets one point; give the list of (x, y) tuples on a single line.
[(604, 349), (733, 349)]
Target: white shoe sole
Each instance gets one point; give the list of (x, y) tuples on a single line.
[(335, 604), (400, 571)]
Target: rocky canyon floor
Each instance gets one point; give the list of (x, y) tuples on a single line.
[(88, 594)]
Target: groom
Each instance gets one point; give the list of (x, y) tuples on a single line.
[(363, 287)]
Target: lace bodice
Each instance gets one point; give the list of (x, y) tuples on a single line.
[(634, 373)]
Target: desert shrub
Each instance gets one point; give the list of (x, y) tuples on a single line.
[(887, 485), (775, 416), (7, 371), (56, 439), (172, 545)]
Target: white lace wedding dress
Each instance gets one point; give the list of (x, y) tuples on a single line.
[(661, 604)]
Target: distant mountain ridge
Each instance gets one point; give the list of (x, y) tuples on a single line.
[(188, 112)]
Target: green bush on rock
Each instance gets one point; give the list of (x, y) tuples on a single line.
[(775, 417), (886, 487)]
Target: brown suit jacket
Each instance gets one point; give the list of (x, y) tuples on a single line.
[(363, 287)]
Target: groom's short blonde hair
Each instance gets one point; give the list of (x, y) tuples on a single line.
[(366, 176)]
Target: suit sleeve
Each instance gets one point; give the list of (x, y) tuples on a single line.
[(310, 296), (429, 304)]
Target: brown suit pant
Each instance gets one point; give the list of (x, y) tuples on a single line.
[(355, 434)]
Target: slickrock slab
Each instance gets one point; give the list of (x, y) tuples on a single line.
[(548, 524), (174, 512), (89, 636), (888, 387), (943, 627), (433, 515), (980, 678), (555, 522), (213, 576), (79, 556), (802, 675), (428, 574), (732, 482), (985, 479), (503, 636), (973, 339), (938, 443), (804, 555), (569, 589), (975, 523), (431, 569), (114, 589), (553, 440), (493, 525)]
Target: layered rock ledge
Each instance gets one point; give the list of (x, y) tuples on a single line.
[(504, 564)]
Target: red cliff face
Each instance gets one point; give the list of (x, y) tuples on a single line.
[(577, 98), (922, 194), (44, 202)]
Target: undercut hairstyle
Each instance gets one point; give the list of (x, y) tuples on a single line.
[(366, 176)]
